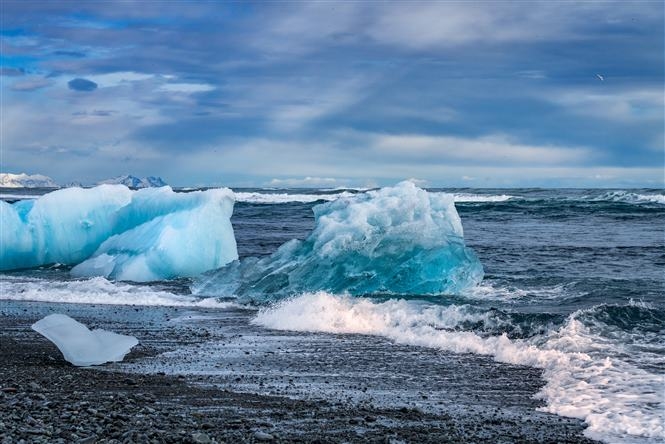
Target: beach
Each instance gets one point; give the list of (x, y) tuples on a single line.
[(151, 397)]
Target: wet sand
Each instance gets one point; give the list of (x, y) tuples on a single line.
[(208, 375)]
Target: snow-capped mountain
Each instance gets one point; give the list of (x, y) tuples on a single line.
[(9, 180), (135, 182)]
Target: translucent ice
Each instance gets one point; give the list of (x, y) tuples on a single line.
[(399, 240), (81, 346), (114, 232), (65, 226)]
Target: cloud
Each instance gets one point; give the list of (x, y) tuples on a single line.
[(306, 182), (74, 54), (618, 104), (323, 159), (290, 106), (11, 72), (186, 88), (534, 74), (297, 29), (388, 90), (486, 150), (80, 84), (93, 113), (111, 79), (31, 84)]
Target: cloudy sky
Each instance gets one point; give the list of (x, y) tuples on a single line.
[(335, 93)]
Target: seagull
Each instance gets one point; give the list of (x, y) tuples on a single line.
[(602, 79)]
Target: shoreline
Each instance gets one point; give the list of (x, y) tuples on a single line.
[(471, 399)]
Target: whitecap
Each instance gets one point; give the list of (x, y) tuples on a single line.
[(97, 290), (619, 401)]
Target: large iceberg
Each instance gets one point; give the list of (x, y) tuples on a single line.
[(79, 345), (112, 231), (400, 240)]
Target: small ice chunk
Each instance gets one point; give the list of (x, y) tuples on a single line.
[(79, 345)]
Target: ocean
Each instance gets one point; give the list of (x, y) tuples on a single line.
[(573, 285)]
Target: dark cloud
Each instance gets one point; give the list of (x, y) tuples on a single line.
[(305, 72), (11, 72), (79, 84), (73, 54), (32, 84), (101, 113), (95, 113)]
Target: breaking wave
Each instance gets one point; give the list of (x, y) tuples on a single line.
[(97, 290), (279, 198), (629, 197), (468, 197), (586, 376)]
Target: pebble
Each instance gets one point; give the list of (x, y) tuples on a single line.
[(201, 438), (263, 436)]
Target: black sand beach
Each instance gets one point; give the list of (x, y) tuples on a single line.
[(461, 398)]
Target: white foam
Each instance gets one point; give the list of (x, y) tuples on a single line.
[(277, 198), (10, 196), (468, 197), (618, 401), (488, 291), (98, 290), (629, 197), (655, 198)]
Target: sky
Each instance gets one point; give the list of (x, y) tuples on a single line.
[(330, 93)]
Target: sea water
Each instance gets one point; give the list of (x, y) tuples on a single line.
[(573, 285)]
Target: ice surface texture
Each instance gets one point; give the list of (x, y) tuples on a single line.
[(112, 231), (81, 346), (400, 240)]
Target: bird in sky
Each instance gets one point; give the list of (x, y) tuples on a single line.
[(601, 78)]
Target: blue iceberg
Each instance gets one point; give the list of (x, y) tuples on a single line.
[(400, 240), (111, 231)]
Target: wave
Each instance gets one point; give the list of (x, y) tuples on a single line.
[(17, 196), (619, 401), (621, 196), (469, 198), (490, 291), (97, 290), (348, 189), (630, 197), (279, 198)]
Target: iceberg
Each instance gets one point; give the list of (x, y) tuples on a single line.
[(400, 240), (111, 231), (79, 345)]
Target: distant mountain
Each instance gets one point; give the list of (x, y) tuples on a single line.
[(9, 180), (135, 182)]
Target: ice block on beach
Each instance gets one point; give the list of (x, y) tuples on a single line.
[(81, 346)]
